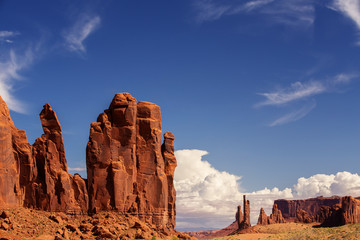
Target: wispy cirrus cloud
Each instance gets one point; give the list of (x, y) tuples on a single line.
[(351, 9), (294, 116), (301, 91), (295, 92), (10, 67), (6, 36), (76, 35), (294, 13)]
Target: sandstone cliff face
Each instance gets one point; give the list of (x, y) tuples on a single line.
[(304, 217), (11, 192), (128, 169), (36, 176), (275, 216), (312, 206), (55, 189), (348, 212)]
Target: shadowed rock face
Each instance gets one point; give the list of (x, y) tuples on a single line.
[(129, 171), (348, 212), (36, 176)]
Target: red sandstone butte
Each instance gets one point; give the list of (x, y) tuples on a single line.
[(128, 169), (312, 206), (36, 176)]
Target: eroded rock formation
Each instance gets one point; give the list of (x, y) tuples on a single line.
[(55, 189), (128, 169), (239, 216), (263, 218), (245, 223), (275, 216), (303, 216), (36, 176), (14, 149), (312, 206), (347, 212)]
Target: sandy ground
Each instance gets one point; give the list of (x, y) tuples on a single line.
[(298, 231)]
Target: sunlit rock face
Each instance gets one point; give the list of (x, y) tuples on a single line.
[(36, 176), (128, 169), (54, 188)]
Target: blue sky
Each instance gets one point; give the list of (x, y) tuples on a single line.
[(270, 89)]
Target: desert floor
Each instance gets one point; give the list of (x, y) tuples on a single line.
[(298, 231)]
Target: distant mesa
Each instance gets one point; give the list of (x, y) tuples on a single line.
[(129, 171)]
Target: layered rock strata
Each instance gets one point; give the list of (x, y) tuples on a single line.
[(129, 171), (312, 206)]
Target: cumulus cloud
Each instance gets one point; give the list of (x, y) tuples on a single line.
[(342, 183), (76, 35), (294, 13), (10, 66), (208, 198)]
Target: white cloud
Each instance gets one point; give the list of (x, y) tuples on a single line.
[(208, 198), (10, 67), (249, 6), (77, 169), (6, 35), (294, 116), (350, 8), (300, 91), (293, 13), (83, 27), (344, 78), (342, 183), (295, 92)]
